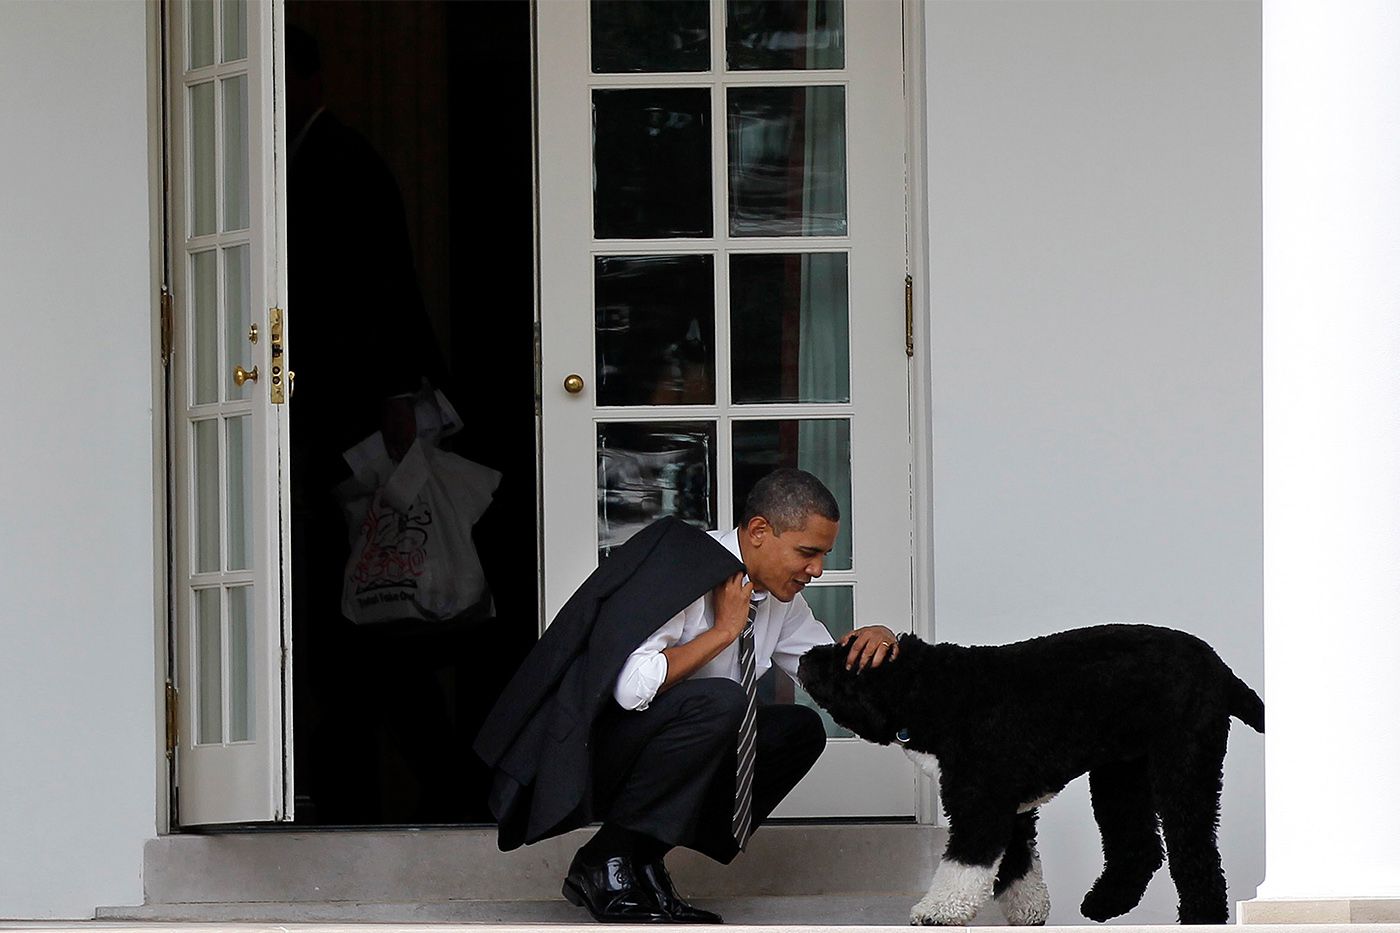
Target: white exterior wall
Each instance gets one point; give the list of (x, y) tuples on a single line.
[(77, 580), (1332, 385), (1094, 251), (1095, 255)]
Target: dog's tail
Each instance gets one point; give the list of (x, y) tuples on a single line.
[(1245, 704)]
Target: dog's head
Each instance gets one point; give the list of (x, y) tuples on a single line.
[(871, 703)]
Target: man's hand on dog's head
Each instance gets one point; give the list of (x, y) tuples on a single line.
[(870, 646)]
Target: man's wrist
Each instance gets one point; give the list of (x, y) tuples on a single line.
[(737, 622)]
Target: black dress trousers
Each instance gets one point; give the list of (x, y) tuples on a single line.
[(668, 771)]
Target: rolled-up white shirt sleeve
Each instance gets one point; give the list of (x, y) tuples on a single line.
[(800, 632), (645, 669)]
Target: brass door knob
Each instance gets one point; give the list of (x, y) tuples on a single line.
[(241, 375), (573, 383)]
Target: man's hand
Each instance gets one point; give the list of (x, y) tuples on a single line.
[(870, 646), (732, 606)]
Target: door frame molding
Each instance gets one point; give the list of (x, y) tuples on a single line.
[(921, 429), (163, 619)]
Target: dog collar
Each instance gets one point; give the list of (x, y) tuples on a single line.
[(902, 736)]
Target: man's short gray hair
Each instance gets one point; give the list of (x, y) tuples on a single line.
[(788, 497)]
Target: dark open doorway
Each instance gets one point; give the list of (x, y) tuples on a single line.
[(410, 229)]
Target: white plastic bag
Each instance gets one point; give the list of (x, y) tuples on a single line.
[(411, 554)]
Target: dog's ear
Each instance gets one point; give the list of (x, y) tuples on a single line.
[(889, 684)]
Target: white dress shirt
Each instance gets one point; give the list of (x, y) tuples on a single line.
[(782, 633)]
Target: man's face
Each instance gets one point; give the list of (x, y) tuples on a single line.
[(784, 563)]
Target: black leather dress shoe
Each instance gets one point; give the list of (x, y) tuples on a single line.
[(658, 881), (611, 891)]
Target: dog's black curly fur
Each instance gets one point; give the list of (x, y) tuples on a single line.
[(1144, 711)]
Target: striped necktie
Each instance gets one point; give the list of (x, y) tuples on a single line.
[(748, 735)]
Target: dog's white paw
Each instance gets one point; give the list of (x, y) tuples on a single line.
[(1026, 901), (929, 913), (958, 891)]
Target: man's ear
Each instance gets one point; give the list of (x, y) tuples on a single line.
[(758, 530)]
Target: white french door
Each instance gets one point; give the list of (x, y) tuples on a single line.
[(721, 263), (229, 387)]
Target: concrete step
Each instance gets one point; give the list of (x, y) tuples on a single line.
[(733, 925), (765, 911), (435, 866)]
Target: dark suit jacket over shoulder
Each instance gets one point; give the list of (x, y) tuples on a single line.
[(537, 738)]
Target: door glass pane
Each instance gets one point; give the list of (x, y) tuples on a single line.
[(821, 446), (235, 16), (651, 163), (655, 317), (202, 159), (240, 493), (237, 318), (204, 320), (235, 153), (201, 33), (834, 607), (240, 671), (787, 161), (647, 470), (206, 497), (774, 35), (209, 667), (789, 309), (650, 35)]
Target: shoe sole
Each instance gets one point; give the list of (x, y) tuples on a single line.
[(574, 896)]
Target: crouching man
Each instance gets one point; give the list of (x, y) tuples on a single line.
[(637, 706)]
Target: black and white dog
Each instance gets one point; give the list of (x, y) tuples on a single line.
[(1144, 711)]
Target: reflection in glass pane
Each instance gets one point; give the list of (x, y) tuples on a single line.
[(202, 158), (834, 607), (647, 470), (650, 35), (789, 308), (209, 672), (235, 16), (237, 317), (787, 161), (821, 446), (775, 35), (204, 274), (206, 495), (240, 462), (201, 33), (240, 671), (651, 163), (235, 153), (655, 317)]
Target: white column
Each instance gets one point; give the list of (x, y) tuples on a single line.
[(1331, 168)]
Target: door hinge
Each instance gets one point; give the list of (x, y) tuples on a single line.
[(539, 376), (909, 316), (167, 324), (280, 377), (172, 719)]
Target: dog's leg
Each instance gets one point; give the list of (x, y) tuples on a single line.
[(977, 837), (1186, 783), (1020, 886), (1121, 794)]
